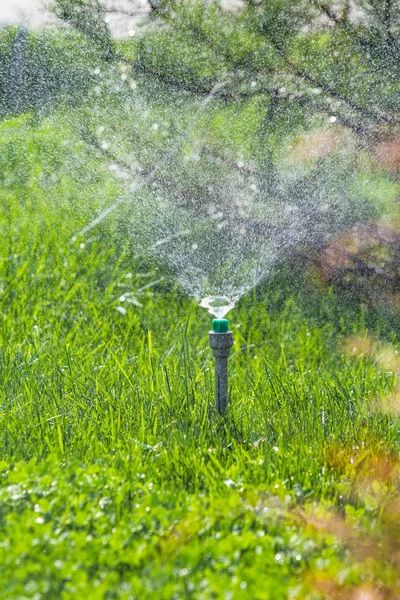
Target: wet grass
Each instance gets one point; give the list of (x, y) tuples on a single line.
[(118, 477)]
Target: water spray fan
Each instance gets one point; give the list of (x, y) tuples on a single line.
[(221, 341)]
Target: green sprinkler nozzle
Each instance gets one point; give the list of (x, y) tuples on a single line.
[(220, 326), (221, 343)]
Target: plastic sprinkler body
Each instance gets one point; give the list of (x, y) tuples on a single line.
[(221, 342)]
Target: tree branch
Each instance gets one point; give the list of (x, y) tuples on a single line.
[(366, 112), (387, 20), (329, 12), (119, 11)]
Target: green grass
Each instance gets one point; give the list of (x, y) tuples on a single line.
[(118, 477)]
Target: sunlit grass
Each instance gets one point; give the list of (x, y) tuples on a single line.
[(118, 475)]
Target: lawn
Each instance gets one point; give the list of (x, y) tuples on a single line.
[(118, 477)]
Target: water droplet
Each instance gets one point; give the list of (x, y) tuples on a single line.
[(229, 482)]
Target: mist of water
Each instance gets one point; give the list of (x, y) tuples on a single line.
[(219, 219), (219, 306), (219, 210)]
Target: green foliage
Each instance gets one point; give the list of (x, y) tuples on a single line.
[(88, 18), (106, 529), (38, 69), (280, 20), (321, 58), (42, 163)]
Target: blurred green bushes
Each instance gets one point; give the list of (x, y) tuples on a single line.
[(40, 68)]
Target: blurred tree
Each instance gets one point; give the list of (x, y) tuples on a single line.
[(340, 58), (328, 69), (38, 69)]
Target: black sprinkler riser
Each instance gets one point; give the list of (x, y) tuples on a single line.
[(221, 344)]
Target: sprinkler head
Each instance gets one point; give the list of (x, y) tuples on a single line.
[(220, 326), (221, 339)]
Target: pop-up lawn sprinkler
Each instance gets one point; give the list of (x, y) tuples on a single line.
[(221, 342)]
